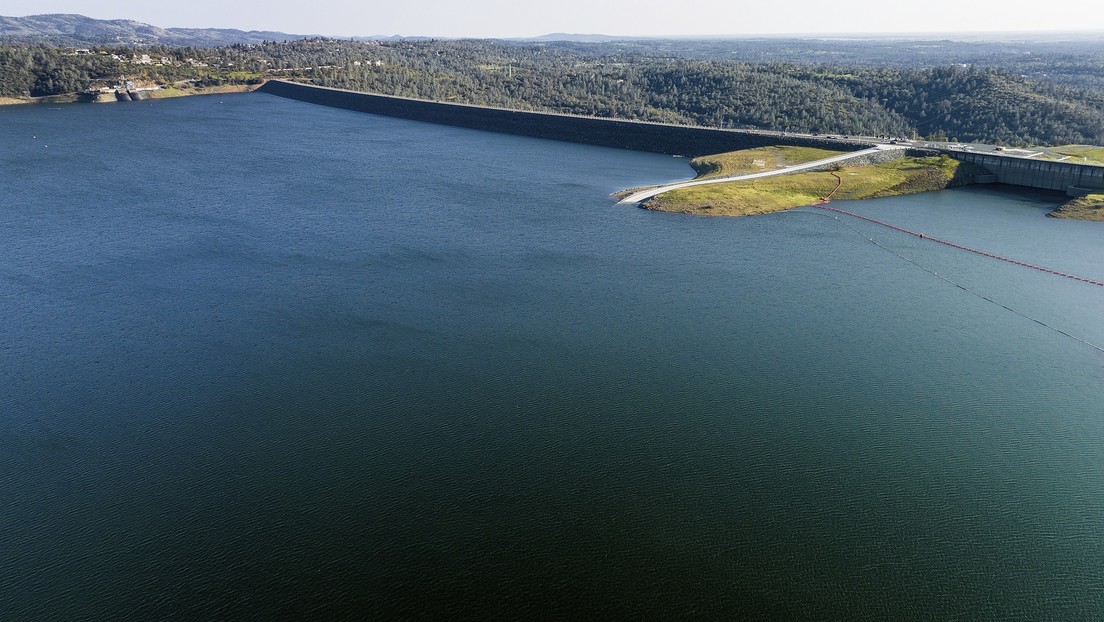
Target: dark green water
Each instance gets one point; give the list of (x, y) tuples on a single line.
[(263, 359)]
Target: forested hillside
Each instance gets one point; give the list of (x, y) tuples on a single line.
[(77, 30), (959, 101)]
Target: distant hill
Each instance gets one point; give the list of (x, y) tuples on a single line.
[(68, 29)]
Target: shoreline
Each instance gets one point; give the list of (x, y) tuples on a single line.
[(910, 175), (764, 195), (718, 169), (1088, 208), (688, 140), (163, 93), (767, 199)]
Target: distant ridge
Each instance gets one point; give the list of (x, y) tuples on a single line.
[(70, 29), (979, 37), (578, 38)]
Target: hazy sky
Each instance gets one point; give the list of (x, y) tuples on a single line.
[(521, 18)]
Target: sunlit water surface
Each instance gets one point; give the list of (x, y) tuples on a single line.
[(260, 358)]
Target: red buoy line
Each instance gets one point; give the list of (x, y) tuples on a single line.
[(821, 205), (941, 277)]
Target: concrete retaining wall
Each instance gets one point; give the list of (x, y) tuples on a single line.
[(635, 135), (1045, 174), (879, 158)]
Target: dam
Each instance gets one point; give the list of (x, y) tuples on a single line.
[(687, 140), (1075, 179)]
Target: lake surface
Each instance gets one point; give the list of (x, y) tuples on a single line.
[(265, 359)]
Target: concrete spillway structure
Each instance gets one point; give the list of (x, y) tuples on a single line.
[(636, 135), (1069, 177)]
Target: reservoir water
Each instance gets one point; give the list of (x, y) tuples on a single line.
[(262, 359)]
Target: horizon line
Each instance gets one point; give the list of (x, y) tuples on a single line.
[(694, 36)]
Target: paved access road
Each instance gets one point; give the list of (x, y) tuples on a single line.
[(648, 193)]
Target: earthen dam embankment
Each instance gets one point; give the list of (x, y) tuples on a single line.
[(636, 135), (1075, 179)]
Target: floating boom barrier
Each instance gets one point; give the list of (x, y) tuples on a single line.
[(822, 204)]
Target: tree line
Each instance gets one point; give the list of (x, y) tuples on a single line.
[(968, 102)]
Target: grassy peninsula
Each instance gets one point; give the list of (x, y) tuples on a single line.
[(745, 161), (773, 194)]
